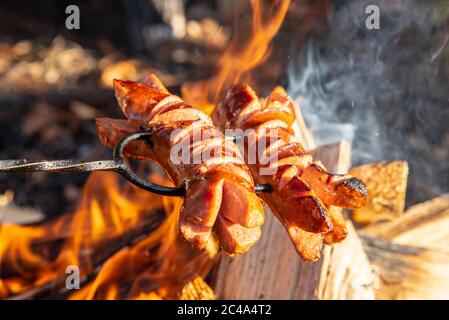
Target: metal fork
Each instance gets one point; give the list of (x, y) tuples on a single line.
[(117, 164)]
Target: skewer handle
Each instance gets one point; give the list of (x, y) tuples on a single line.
[(118, 164)]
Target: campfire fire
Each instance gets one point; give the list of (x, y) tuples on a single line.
[(373, 97), (125, 241), (242, 56)]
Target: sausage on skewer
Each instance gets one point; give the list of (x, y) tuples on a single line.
[(305, 195), (220, 193)]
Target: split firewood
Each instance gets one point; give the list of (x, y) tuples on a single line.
[(387, 184), (196, 289), (408, 272), (423, 225), (346, 272), (256, 275), (410, 253), (300, 128)]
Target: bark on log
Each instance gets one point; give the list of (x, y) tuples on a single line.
[(273, 270)]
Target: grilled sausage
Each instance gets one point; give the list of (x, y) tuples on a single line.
[(219, 189), (304, 194)]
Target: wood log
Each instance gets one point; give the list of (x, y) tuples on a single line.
[(196, 289), (346, 272), (407, 272), (273, 270), (410, 253), (301, 130), (387, 185), (423, 225)]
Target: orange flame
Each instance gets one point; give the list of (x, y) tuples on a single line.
[(160, 274), (242, 56), (161, 264), (105, 212)]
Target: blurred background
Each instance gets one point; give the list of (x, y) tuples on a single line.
[(386, 91)]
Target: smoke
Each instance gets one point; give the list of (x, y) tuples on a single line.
[(328, 104), (385, 91)]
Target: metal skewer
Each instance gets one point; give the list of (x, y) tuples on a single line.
[(118, 164)]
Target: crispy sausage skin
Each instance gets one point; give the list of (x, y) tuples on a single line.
[(220, 193), (304, 194)]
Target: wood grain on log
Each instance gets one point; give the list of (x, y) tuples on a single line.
[(273, 270), (408, 272), (423, 225), (410, 253), (387, 185)]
